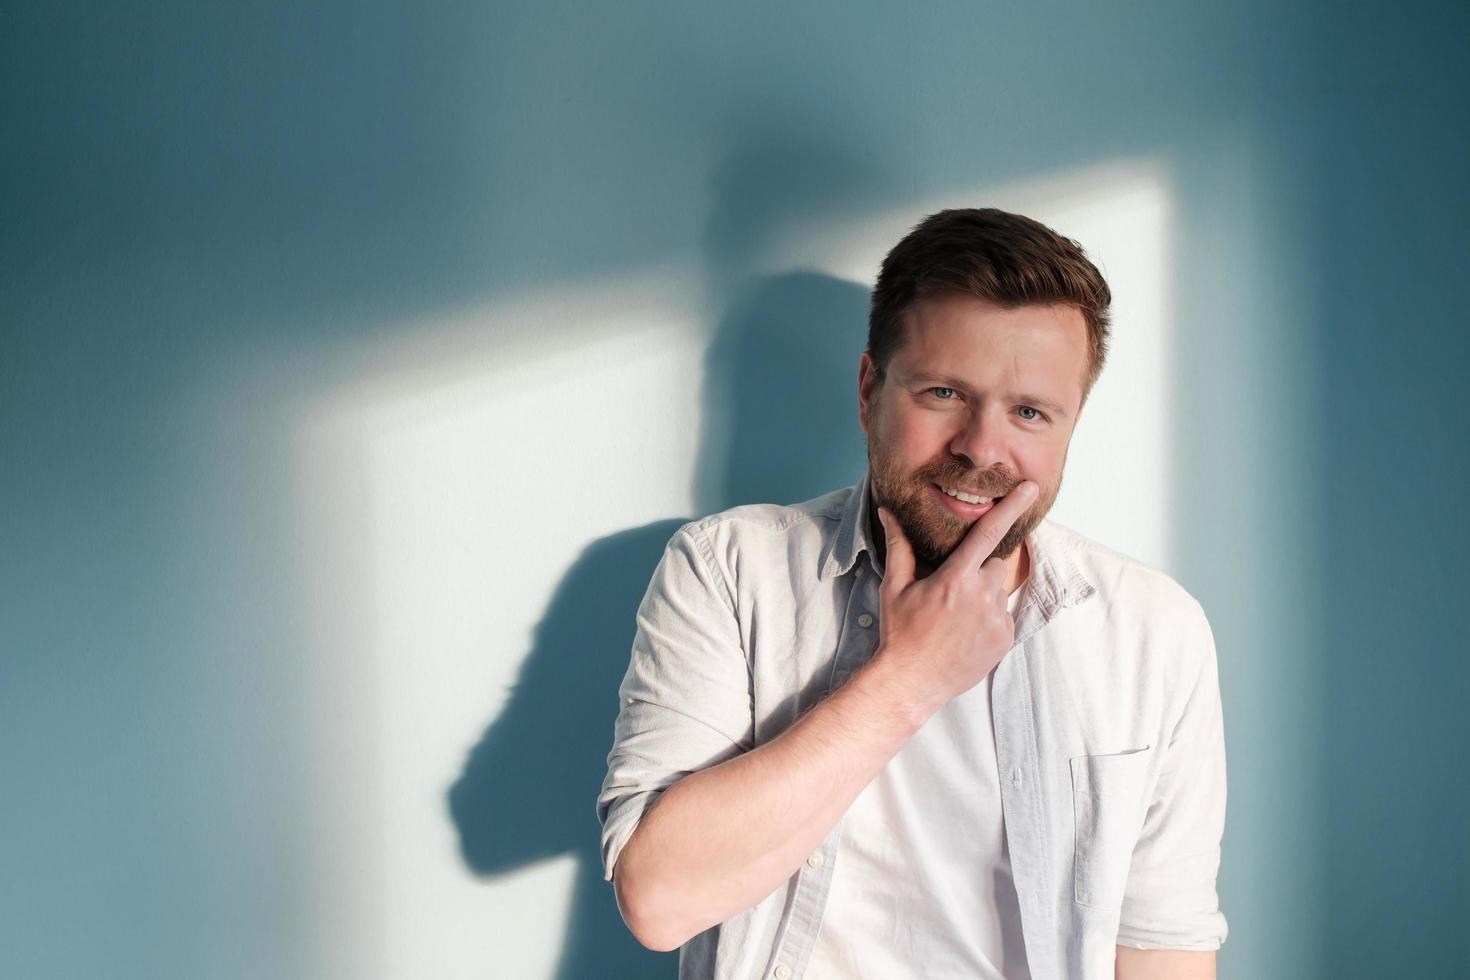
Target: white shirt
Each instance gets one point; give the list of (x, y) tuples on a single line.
[(923, 889), (1109, 738)]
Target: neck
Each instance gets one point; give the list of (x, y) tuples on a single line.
[(1017, 573)]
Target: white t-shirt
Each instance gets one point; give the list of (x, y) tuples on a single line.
[(923, 888)]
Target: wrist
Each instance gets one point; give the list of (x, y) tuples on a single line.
[(893, 678)]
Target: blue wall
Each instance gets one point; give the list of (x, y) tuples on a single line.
[(188, 190), (1393, 261)]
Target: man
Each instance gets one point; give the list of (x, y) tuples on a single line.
[(912, 728)]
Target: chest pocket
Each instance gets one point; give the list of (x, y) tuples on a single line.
[(1107, 805)]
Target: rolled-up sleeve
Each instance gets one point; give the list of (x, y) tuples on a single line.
[(685, 700), (1171, 901)]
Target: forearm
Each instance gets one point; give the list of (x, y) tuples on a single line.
[(1164, 964), (722, 839)]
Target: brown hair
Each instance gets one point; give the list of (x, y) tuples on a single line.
[(1008, 259)]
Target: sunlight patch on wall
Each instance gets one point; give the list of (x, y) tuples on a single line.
[(443, 502)]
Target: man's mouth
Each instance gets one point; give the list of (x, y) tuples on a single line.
[(967, 496), (962, 503)]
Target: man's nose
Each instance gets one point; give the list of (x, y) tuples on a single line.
[(981, 439)]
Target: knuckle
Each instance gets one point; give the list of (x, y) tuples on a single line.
[(952, 592)]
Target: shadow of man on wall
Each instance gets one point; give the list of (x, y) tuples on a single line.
[(779, 425)]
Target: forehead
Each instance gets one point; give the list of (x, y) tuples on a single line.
[(1035, 347)]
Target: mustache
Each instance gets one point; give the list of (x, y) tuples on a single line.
[(980, 484)]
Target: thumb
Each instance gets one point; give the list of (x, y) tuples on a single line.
[(898, 564)]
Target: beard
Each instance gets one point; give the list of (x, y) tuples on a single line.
[(933, 532)]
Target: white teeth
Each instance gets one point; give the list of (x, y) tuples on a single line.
[(968, 498)]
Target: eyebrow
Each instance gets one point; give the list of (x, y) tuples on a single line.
[(955, 383)]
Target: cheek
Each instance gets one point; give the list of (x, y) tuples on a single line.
[(918, 436), (1042, 463)]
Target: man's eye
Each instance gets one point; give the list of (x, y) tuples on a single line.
[(1028, 408), (942, 389)]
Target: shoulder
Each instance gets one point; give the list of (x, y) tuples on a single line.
[(1123, 579), (796, 534), (1153, 626), (755, 520)]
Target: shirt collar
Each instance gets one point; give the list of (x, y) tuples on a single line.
[(1056, 580)]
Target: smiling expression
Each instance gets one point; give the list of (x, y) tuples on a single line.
[(977, 398)]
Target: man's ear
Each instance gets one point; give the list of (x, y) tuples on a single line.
[(868, 385)]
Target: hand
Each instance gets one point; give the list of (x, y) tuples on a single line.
[(949, 630)]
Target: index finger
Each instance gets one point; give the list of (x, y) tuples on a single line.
[(992, 525)]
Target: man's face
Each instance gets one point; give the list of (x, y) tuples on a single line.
[(977, 398)]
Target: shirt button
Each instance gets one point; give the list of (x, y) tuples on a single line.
[(782, 971), (865, 620), (816, 860), (1015, 777)]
